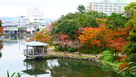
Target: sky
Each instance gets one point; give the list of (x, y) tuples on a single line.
[(52, 8)]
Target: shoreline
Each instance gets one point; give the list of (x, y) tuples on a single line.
[(71, 57)]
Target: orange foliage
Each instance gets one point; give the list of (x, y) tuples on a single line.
[(89, 36), (42, 37), (123, 66), (1, 31), (124, 58), (94, 74), (102, 37), (101, 20), (117, 39)]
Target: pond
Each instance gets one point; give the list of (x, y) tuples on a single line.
[(13, 60)]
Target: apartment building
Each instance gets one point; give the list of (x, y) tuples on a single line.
[(109, 7)]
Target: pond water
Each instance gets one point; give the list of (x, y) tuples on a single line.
[(13, 60)]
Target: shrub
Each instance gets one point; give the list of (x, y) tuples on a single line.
[(60, 48), (72, 49), (108, 55), (107, 52), (90, 50), (66, 48), (132, 58)]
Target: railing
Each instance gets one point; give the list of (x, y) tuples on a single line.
[(28, 52), (34, 52)]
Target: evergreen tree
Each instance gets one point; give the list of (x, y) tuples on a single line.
[(81, 8), (131, 46)]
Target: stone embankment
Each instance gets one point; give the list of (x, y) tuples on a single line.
[(68, 55)]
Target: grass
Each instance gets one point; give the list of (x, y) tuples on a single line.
[(13, 74)]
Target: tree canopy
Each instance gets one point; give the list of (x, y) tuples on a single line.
[(130, 9), (71, 23), (116, 20), (81, 8)]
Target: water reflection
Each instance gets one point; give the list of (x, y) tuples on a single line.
[(10, 39), (52, 63), (35, 68), (65, 68), (0, 54)]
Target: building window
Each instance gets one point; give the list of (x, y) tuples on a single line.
[(35, 19)]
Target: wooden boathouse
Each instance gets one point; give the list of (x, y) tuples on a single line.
[(35, 49)]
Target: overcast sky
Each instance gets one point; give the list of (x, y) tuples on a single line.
[(52, 8)]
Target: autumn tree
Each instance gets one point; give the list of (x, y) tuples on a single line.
[(104, 38), (43, 36), (117, 40), (1, 28)]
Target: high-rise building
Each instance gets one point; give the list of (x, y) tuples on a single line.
[(35, 15), (109, 7)]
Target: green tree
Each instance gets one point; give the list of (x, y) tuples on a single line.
[(131, 46), (132, 21), (81, 8), (130, 9), (90, 18), (20, 29), (116, 20), (68, 27)]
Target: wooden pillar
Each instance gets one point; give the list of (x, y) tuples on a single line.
[(27, 49), (33, 51), (43, 50)]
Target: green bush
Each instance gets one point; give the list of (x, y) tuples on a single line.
[(107, 52), (66, 48), (132, 58), (90, 50), (108, 55), (73, 49), (59, 48)]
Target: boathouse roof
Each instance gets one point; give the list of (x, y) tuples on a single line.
[(36, 43)]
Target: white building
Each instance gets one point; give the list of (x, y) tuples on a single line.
[(31, 28), (10, 28), (35, 15), (22, 20), (109, 7)]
